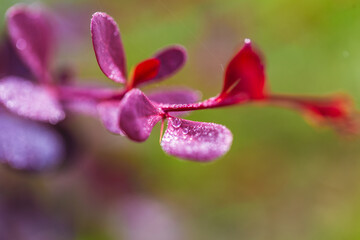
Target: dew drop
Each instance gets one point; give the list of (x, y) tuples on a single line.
[(185, 130), (176, 123), (21, 44), (247, 41)]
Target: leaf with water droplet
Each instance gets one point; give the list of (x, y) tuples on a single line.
[(197, 141)]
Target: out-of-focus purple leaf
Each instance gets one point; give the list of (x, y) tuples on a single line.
[(24, 218), (143, 218), (82, 106), (29, 100), (138, 115), (31, 33), (171, 60), (29, 145), (197, 141), (72, 23), (10, 62), (174, 96), (84, 99), (108, 46), (109, 113)]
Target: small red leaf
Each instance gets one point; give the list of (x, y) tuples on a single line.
[(144, 71), (244, 76), (336, 112)]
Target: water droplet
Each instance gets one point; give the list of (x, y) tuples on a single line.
[(176, 123), (21, 44), (247, 41), (185, 130)]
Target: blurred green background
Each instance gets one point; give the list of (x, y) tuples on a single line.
[(282, 178)]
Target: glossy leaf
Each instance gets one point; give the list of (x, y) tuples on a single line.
[(197, 141), (138, 115), (108, 47), (29, 145), (109, 113), (244, 76), (144, 72), (29, 100), (172, 59), (31, 33)]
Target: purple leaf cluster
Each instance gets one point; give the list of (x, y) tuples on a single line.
[(137, 114)]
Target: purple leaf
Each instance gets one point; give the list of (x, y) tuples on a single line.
[(171, 60), (84, 98), (82, 106), (174, 96), (144, 218), (196, 141), (10, 62), (109, 113), (138, 115), (23, 216), (108, 47), (31, 33), (29, 145), (29, 100), (167, 97)]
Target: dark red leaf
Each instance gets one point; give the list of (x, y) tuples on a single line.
[(244, 76), (336, 111)]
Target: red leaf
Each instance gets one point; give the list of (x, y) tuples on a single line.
[(244, 76), (144, 71), (336, 112)]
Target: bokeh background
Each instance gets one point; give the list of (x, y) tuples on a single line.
[(282, 178)]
